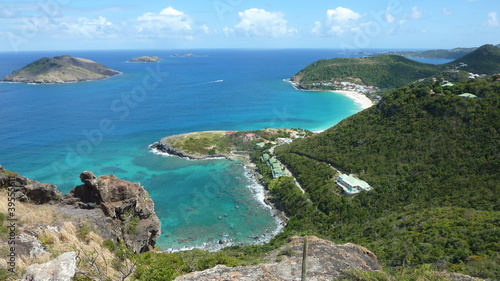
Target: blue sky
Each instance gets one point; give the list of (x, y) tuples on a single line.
[(194, 24)]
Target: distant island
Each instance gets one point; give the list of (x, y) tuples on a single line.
[(60, 69), (188, 55), (146, 59)]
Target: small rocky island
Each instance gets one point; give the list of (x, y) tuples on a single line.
[(188, 55), (146, 59), (60, 69)]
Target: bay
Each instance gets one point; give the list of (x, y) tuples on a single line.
[(51, 133)]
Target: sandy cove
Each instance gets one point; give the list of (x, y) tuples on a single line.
[(360, 99)]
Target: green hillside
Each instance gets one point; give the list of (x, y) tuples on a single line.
[(486, 59), (380, 71), (432, 159), (390, 71)]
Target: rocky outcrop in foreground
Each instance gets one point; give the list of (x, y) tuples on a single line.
[(62, 268), (26, 190), (127, 206), (325, 261), (61, 69), (119, 210)]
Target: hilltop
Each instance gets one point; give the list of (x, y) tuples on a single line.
[(381, 71), (434, 54), (486, 59), (60, 69), (390, 71), (431, 157)]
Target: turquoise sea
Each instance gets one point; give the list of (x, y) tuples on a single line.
[(51, 133)]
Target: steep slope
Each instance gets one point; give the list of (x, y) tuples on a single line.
[(325, 261), (421, 151), (106, 220), (484, 60), (61, 69)]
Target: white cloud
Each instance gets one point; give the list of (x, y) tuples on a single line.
[(339, 21), (492, 19), (341, 14), (261, 23), (415, 13), (98, 27), (169, 20)]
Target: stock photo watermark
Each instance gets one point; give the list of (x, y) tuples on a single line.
[(11, 225), (121, 109), (46, 12), (222, 7), (380, 21)]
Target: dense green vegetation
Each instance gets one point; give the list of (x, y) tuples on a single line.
[(154, 266), (433, 54), (381, 71), (485, 59), (390, 71), (432, 158)]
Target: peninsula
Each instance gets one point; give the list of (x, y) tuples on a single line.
[(146, 59), (60, 69), (225, 144)]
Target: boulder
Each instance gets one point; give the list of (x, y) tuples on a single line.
[(325, 261), (26, 190), (126, 203), (62, 268)]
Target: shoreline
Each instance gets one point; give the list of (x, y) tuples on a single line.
[(244, 160), (360, 99), (260, 192)]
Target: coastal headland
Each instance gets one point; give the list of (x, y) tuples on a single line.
[(247, 147), (230, 145)]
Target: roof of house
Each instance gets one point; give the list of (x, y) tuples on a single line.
[(353, 181), (467, 95), (260, 144)]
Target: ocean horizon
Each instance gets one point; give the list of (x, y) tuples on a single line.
[(51, 133)]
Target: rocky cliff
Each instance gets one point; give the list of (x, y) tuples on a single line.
[(60, 69), (26, 190), (325, 261), (165, 147), (117, 209), (126, 205)]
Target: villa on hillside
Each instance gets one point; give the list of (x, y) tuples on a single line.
[(274, 164), (352, 185)]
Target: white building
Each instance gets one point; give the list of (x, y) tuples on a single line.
[(352, 185)]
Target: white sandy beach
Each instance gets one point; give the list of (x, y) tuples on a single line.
[(358, 98)]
